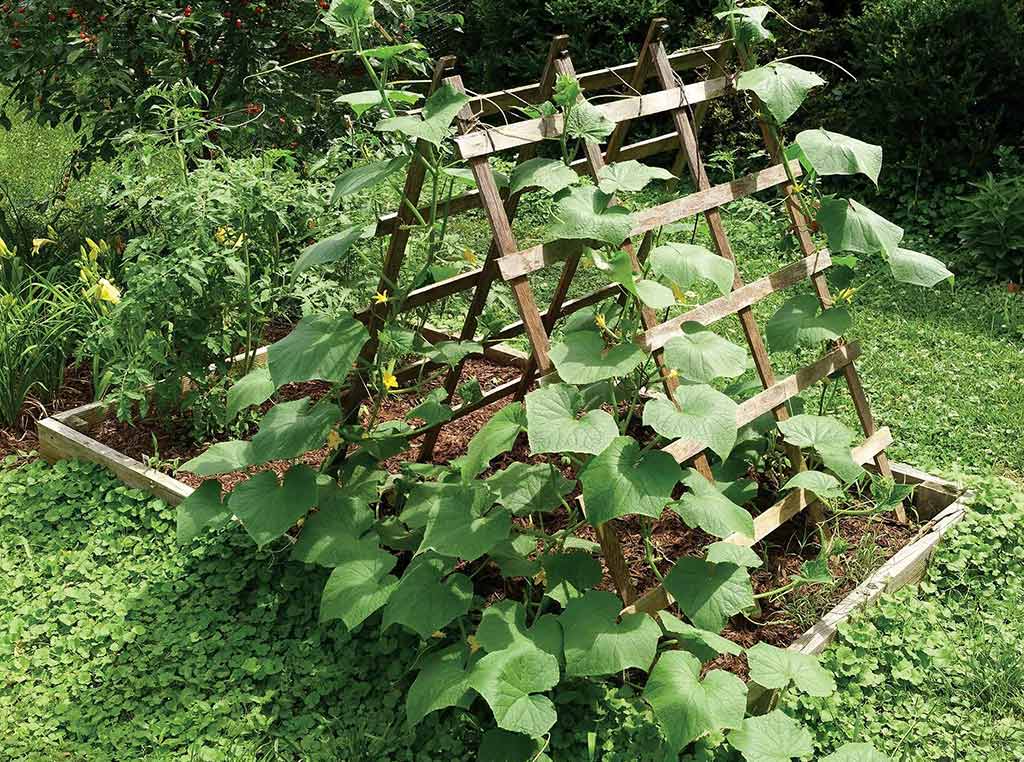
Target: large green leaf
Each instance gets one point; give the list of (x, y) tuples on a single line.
[(772, 737), (550, 174), (432, 408), (443, 681), (705, 507), (267, 509), (434, 125), (510, 682), (687, 707), (624, 479), (328, 250), (749, 22), (364, 100), (856, 752), (704, 415), (530, 488), (583, 213), (773, 667), (457, 525), (782, 87), (629, 176), (800, 321), (553, 427), (221, 458), (701, 355), (497, 745), (582, 358), (831, 153), (254, 388), (655, 295), (569, 575), (367, 176), (596, 644), (359, 584), (388, 52), (290, 429), (503, 626), (852, 227), (202, 509), (828, 437), (423, 601), (498, 435), (730, 553), (703, 644), (821, 484), (586, 122), (709, 593), (917, 269), (684, 264), (327, 535), (319, 348)]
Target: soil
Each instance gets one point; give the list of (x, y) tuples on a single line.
[(75, 391), (784, 550)]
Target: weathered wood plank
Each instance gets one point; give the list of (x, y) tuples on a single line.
[(58, 441), (775, 395), (493, 139), (743, 297), (571, 306), (537, 257)]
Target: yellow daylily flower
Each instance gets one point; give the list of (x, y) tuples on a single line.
[(219, 235), (333, 439), (846, 295), (5, 253), (94, 249), (389, 380), (108, 292), (39, 243), (381, 297)]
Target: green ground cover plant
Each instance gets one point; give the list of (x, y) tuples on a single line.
[(934, 671)]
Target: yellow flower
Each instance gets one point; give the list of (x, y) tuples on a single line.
[(220, 235), (39, 243), (333, 439), (470, 256), (240, 241), (437, 634), (5, 253), (599, 321), (381, 297), (474, 644), (390, 382), (673, 374), (846, 295), (107, 291)]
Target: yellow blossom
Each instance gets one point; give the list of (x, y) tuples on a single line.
[(39, 243), (5, 253), (846, 295), (94, 249), (220, 235), (381, 297), (390, 382), (107, 291), (470, 256), (474, 644), (333, 439), (673, 374), (437, 634), (599, 321)]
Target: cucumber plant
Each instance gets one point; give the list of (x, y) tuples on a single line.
[(425, 548)]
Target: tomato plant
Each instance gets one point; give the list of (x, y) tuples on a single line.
[(422, 549)]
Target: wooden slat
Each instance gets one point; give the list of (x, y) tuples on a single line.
[(571, 306), (470, 200), (58, 441), (658, 598), (598, 79), (491, 140), (500, 354), (775, 395), (641, 72), (734, 301), (537, 257)]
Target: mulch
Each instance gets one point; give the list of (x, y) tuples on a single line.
[(165, 444)]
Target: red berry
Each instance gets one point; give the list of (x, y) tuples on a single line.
[(238, 23), (103, 18), (15, 43), (52, 17), (188, 11)]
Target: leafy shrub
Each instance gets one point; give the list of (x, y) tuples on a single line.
[(938, 81), (992, 227)]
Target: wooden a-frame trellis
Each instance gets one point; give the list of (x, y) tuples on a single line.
[(684, 104)]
